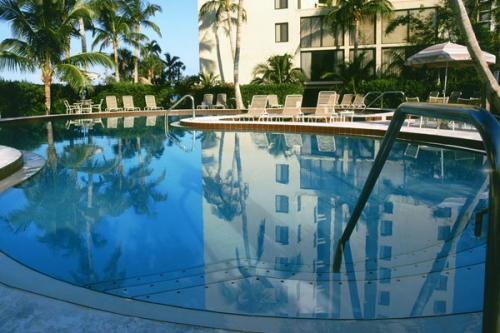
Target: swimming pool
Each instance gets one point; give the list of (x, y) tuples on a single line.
[(246, 223)]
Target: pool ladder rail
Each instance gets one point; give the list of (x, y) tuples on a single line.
[(489, 129), (172, 137)]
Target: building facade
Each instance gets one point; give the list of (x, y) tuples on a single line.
[(297, 27)]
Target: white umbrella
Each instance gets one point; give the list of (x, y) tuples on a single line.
[(444, 55)]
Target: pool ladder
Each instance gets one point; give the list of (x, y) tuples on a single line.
[(173, 138), (489, 129)]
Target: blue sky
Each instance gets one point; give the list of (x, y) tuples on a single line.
[(178, 22)]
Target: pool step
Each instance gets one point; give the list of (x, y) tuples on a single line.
[(11, 160)]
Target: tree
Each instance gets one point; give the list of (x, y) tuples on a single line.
[(40, 30), (353, 12), (112, 29), (491, 86), (138, 14), (239, 26), (278, 69), (126, 62), (173, 67), (224, 11), (151, 63)]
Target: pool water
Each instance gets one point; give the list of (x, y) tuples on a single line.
[(247, 223)]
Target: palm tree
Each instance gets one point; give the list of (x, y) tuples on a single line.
[(208, 80), (239, 26), (138, 15), (353, 72), (173, 67), (151, 60), (112, 29), (352, 12), (278, 69), (40, 32), (224, 11), (126, 62), (487, 78)]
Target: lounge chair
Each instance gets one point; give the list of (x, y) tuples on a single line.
[(272, 101), (151, 103), (442, 100), (326, 143), (325, 106), (112, 104), (208, 101), (469, 101), (71, 108), (97, 106), (346, 101), (454, 96), (358, 102), (256, 109), (220, 103), (433, 94), (128, 104), (291, 109)]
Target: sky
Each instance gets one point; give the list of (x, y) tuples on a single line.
[(178, 23)]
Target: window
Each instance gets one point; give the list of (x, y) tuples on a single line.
[(439, 307), (366, 33), (315, 33), (282, 235), (444, 232), (389, 58), (385, 275), (442, 283), (399, 34), (281, 202), (384, 298), (282, 173), (280, 4), (316, 63), (368, 55), (386, 228), (385, 252), (388, 207), (281, 32)]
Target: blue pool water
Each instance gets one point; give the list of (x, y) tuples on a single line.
[(248, 222)]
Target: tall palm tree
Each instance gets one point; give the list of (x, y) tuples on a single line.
[(487, 78), (151, 62), (353, 72), (138, 14), (40, 30), (237, 51), (224, 12), (352, 12), (278, 69), (173, 67), (126, 62), (112, 29)]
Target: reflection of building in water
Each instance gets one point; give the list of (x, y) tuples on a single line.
[(279, 210)]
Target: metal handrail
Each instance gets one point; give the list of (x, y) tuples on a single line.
[(380, 96), (173, 138), (489, 129)]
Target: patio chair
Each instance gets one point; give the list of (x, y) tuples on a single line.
[(433, 94), (71, 108), (128, 104), (272, 101), (441, 100), (86, 106), (358, 102), (454, 97), (256, 109), (207, 103), (220, 103), (291, 109), (112, 104), (151, 103), (97, 106), (325, 107), (346, 101)]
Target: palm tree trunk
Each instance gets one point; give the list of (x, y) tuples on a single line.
[(117, 71), (46, 85), (237, 91), (230, 30), (136, 56), (83, 36), (491, 86)]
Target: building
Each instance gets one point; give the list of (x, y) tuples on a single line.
[(297, 28)]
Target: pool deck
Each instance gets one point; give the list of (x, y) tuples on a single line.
[(33, 302)]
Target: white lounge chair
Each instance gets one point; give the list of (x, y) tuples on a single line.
[(151, 103), (291, 110), (325, 106), (346, 101), (220, 103), (256, 109), (128, 104), (358, 102), (208, 101), (272, 101), (112, 104)]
